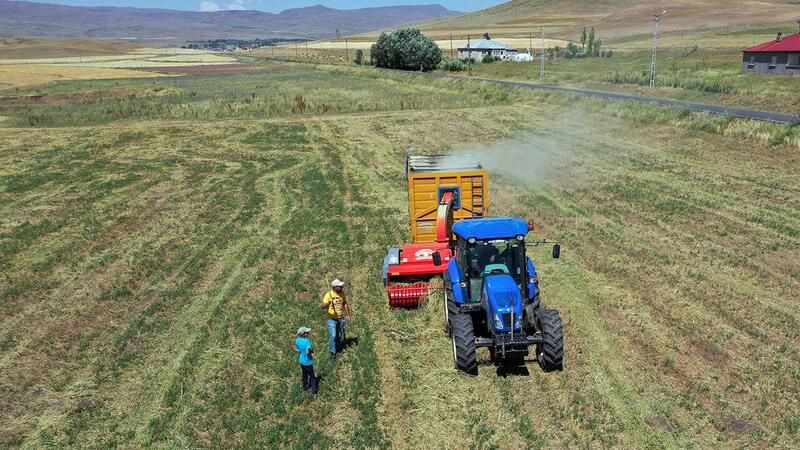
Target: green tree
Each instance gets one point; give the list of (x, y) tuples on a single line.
[(406, 49), (583, 39), (597, 45), (571, 51), (359, 57), (452, 65), (590, 42)]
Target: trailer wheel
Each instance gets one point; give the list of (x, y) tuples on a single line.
[(450, 309), (550, 353), (465, 356)]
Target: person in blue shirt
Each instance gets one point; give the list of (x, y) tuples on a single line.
[(306, 351)]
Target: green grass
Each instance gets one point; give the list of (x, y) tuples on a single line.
[(283, 91), (154, 269), (712, 75)]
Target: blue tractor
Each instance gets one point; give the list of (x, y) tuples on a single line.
[(492, 297)]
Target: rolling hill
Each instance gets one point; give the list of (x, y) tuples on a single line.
[(620, 19), (28, 19)]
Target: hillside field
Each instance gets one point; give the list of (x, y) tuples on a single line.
[(50, 48), (162, 239), (27, 64), (620, 18)]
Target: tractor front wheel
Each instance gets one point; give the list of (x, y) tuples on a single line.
[(450, 309), (550, 353), (465, 355)]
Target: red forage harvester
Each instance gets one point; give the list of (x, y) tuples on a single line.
[(442, 189)]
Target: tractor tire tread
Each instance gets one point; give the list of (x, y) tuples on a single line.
[(466, 357), (452, 309), (551, 352)]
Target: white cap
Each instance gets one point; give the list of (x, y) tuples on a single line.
[(337, 283), (303, 330)]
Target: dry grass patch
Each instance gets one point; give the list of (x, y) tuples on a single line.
[(139, 58), (24, 75), (18, 48)]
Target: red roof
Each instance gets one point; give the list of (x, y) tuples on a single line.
[(787, 44)]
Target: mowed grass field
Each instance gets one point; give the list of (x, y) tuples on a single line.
[(157, 260)]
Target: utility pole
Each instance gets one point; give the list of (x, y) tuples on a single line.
[(306, 49), (530, 43), (346, 51), (295, 51), (656, 23), (541, 67), (469, 57), (451, 45)]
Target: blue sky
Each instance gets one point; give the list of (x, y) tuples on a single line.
[(274, 5)]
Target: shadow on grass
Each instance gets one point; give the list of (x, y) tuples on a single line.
[(348, 342), (506, 371), (510, 368)]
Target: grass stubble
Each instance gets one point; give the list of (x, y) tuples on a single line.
[(156, 265)]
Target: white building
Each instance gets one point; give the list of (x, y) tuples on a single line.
[(487, 46), (523, 57)]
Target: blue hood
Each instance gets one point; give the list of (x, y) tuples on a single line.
[(501, 297)]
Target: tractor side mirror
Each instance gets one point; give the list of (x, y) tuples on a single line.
[(437, 259), (556, 251)]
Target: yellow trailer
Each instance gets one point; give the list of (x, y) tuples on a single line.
[(428, 177)]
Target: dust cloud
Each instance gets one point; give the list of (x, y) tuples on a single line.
[(529, 158)]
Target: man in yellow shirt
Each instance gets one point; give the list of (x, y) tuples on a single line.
[(337, 309)]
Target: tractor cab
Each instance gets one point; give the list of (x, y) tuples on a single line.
[(490, 257), (486, 251)]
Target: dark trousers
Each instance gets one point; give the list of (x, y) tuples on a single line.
[(309, 379)]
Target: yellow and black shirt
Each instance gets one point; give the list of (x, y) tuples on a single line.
[(336, 303)]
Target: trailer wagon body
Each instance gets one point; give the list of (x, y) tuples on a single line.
[(428, 177)]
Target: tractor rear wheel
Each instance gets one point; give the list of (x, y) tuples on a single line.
[(465, 355), (450, 309), (550, 353)]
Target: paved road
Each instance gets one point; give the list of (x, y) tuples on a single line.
[(754, 114), (768, 116)]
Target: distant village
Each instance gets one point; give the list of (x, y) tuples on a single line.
[(237, 45)]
